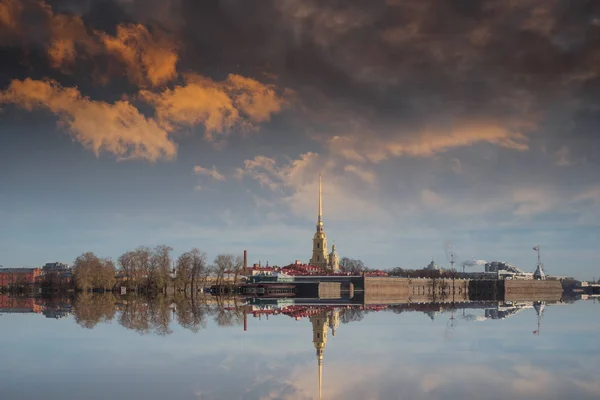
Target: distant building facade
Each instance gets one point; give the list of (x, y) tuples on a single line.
[(19, 276), (57, 273)]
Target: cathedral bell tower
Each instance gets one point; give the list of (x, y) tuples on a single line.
[(320, 257)]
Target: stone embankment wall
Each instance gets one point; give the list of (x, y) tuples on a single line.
[(330, 290), (515, 290), (414, 290)]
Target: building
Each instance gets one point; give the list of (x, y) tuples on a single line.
[(19, 276), (432, 266), (320, 257), (57, 273), (334, 260), (56, 267), (503, 270), (265, 271)]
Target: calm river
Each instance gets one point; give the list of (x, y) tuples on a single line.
[(108, 348)]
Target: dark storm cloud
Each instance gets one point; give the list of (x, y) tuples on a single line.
[(387, 68), (398, 65)]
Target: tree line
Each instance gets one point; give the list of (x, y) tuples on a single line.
[(153, 270)]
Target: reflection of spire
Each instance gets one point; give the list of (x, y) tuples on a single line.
[(320, 325), (321, 377), (539, 309)]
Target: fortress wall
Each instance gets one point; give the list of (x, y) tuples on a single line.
[(407, 290), (330, 290), (515, 290)]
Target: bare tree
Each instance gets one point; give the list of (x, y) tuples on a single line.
[(161, 264), (352, 266), (142, 266), (183, 269), (198, 268), (127, 265), (85, 270), (223, 264)]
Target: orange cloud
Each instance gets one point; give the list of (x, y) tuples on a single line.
[(427, 143), (10, 11), (149, 59), (66, 33), (258, 101), (219, 106), (212, 172), (117, 128)]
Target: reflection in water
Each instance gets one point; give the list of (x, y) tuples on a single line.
[(160, 317), (156, 315)]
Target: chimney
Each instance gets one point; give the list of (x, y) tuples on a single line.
[(245, 262)]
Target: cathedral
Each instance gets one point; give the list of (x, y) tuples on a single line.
[(320, 258)]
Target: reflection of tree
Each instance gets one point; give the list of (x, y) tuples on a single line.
[(230, 313), (89, 309), (191, 313), (160, 316), (153, 315), (352, 315), (147, 315), (136, 316)]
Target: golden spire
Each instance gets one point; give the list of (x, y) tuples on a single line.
[(320, 200)]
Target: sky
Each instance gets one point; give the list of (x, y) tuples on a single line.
[(437, 125)]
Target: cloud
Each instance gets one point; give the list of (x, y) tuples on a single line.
[(363, 173), (120, 129), (212, 172), (67, 33), (149, 59), (294, 185), (116, 128), (426, 143), (218, 106), (146, 58), (10, 11)]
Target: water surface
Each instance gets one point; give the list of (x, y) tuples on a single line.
[(200, 350)]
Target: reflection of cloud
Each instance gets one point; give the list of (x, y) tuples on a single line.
[(411, 379)]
